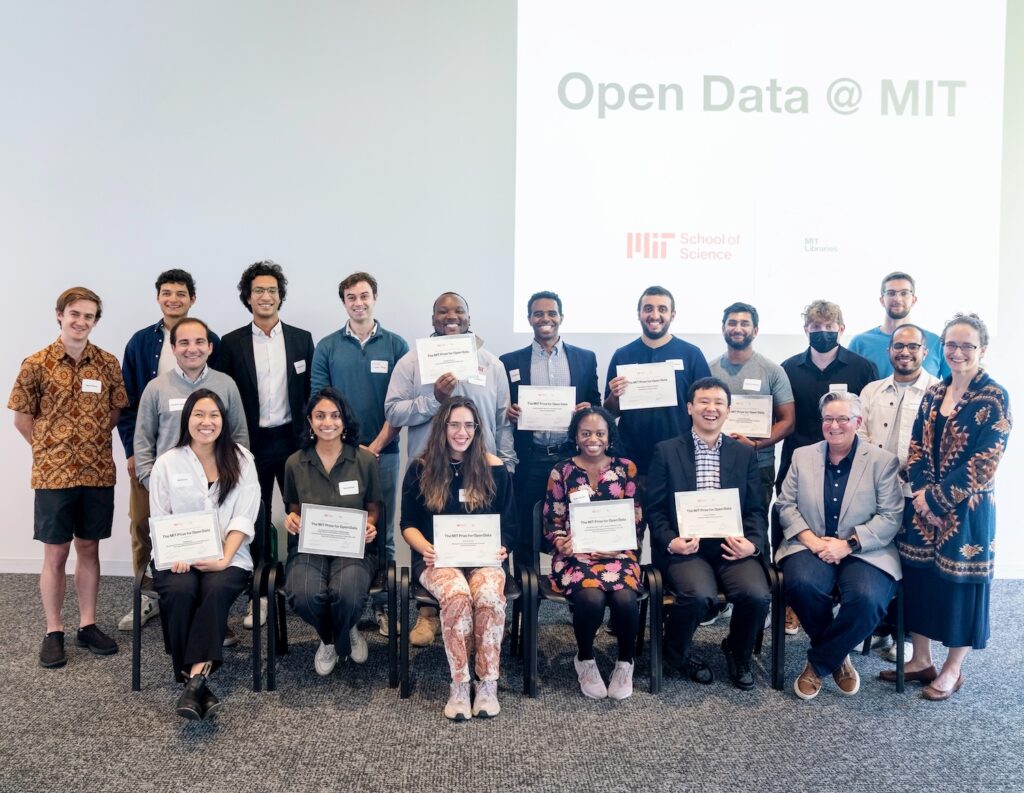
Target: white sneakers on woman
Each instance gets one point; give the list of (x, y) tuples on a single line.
[(325, 660), (359, 651), (621, 684), (485, 699), (457, 707), (591, 683)]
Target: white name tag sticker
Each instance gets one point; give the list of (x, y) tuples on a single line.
[(840, 387), (462, 495), (379, 367), (675, 363), (350, 488), (300, 367), (581, 496), (513, 375), (92, 386), (181, 480), (175, 405), (751, 384), (478, 379)]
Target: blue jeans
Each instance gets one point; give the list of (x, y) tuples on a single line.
[(387, 465), (864, 595)]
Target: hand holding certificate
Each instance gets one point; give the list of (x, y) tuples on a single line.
[(186, 537), (438, 355), (467, 540), (546, 408), (333, 531), (603, 526), (709, 513), (651, 385), (750, 415)]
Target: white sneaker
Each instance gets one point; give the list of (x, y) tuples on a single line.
[(485, 700), (150, 608), (890, 654), (621, 684), (359, 651), (591, 683), (247, 619), (725, 613), (457, 707), (325, 660), (381, 615)]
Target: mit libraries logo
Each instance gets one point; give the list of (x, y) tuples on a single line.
[(648, 244)]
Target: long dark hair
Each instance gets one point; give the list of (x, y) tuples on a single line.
[(225, 451), (436, 470), (350, 427)]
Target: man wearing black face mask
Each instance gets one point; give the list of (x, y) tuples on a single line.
[(825, 366)]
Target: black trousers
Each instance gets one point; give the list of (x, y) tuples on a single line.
[(531, 484), (695, 580), (194, 607), (271, 447)]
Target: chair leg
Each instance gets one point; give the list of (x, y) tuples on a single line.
[(778, 634), (900, 639), (137, 632), (392, 626), (655, 600), (275, 617), (257, 633), (640, 633), (403, 634), (532, 610)]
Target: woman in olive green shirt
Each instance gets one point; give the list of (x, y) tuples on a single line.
[(331, 470)]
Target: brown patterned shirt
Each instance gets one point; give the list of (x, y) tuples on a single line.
[(71, 404)]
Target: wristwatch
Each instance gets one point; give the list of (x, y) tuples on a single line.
[(853, 542)]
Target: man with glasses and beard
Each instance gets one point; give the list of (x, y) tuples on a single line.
[(898, 299)]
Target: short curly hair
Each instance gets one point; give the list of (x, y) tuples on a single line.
[(252, 272)]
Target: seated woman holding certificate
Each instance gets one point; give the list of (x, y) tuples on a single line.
[(594, 581), (456, 476), (205, 472), (327, 580)]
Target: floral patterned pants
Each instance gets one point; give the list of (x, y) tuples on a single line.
[(472, 615)]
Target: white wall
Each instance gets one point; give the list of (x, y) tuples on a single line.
[(328, 136)]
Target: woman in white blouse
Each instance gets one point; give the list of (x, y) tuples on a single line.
[(205, 471)]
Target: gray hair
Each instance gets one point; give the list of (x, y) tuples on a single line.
[(840, 396)]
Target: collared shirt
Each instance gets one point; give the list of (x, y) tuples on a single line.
[(549, 369), (178, 484), (837, 476), (889, 411), (708, 462), (362, 342), (271, 376), (71, 404), (167, 360), (181, 373)]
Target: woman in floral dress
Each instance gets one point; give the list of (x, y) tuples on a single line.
[(594, 581)]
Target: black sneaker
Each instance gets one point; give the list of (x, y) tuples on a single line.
[(51, 654), (208, 702), (698, 671), (739, 672), (96, 640), (190, 703)]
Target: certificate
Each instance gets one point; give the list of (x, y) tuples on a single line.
[(709, 513), (651, 385), (603, 526), (185, 537), (332, 531), (467, 540), (750, 415), (546, 407), (438, 355)]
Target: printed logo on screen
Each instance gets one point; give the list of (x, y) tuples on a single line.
[(815, 245), (648, 244)]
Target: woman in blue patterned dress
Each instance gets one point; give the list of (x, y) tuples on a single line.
[(594, 581), (948, 539)]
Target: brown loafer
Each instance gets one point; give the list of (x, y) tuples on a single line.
[(926, 675), (934, 694), (808, 684)]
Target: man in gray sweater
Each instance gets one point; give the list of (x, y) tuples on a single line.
[(158, 423)]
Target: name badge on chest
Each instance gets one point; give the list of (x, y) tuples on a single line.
[(350, 488)]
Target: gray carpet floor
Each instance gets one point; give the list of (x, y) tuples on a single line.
[(81, 728)]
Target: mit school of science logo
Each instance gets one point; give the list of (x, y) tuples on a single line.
[(648, 244)]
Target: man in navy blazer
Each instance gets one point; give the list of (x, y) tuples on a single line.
[(706, 459), (271, 364), (547, 361)]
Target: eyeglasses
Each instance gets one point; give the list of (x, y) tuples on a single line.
[(904, 293), (265, 290), (842, 421), (899, 346), (966, 348), (455, 426)]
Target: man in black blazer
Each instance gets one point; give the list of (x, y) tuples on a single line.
[(271, 364), (547, 361), (693, 568)]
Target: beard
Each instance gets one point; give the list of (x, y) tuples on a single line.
[(739, 345), (660, 334), (891, 314)]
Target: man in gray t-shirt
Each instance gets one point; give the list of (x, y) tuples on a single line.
[(748, 373)]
